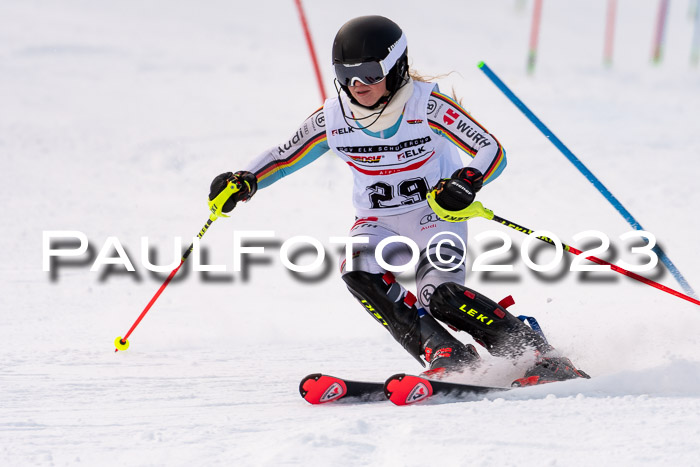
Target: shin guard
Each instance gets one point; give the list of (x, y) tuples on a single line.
[(422, 336), (387, 302)]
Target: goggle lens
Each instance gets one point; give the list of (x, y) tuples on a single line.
[(366, 73)]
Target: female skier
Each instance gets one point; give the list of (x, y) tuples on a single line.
[(401, 138)]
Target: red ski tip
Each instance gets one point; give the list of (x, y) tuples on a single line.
[(404, 389), (319, 389)]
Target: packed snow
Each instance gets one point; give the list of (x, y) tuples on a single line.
[(114, 118)]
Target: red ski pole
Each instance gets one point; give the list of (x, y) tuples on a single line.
[(215, 206)]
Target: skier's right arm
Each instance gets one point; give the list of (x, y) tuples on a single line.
[(306, 145)]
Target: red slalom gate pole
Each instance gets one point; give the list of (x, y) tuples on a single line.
[(609, 33), (310, 44), (534, 35), (657, 52)]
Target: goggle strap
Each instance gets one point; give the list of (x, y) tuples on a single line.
[(395, 53)]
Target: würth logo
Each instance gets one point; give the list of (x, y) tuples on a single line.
[(450, 113)]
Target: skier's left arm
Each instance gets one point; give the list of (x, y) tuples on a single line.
[(448, 119)]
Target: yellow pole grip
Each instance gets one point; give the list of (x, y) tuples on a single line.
[(217, 204), (476, 209)]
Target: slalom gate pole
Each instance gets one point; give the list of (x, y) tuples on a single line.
[(312, 51), (534, 36), (660, 33), (215, 206), (476, 209), (695, 45), (609, 33), (586, 173)]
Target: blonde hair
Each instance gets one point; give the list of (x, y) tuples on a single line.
[(417, 76)]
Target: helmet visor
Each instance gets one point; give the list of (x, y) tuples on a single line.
[(366, 73)]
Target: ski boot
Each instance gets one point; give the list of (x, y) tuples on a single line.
[(444, 352), (549, 370), (449, 360)]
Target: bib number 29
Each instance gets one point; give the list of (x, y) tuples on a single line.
[(383, 195)]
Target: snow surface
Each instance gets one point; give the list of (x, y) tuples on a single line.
[(114, 117)]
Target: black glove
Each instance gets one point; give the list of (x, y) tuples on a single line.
[(247, 181), (458, 192), (470, 175)]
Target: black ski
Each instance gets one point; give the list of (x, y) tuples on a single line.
[(320, 389), (402, 389)]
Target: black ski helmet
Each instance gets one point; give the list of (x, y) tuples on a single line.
[(371, 40)]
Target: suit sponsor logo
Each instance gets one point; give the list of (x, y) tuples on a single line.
[(384, 148), (450, 116), (432, 106), (296, 139), (473, 134), (430, 219), (320, 119), (409, 153), (367, 159), (426, 292), (342, 131)]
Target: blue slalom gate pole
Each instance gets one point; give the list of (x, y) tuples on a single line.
[(586, 173)]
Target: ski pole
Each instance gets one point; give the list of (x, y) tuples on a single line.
[(215, 206), (476, 209)]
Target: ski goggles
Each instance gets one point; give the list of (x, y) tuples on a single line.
[(366, 73), (348, 74)]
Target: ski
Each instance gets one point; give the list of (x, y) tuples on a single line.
[(318, 388), (403, 389)]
